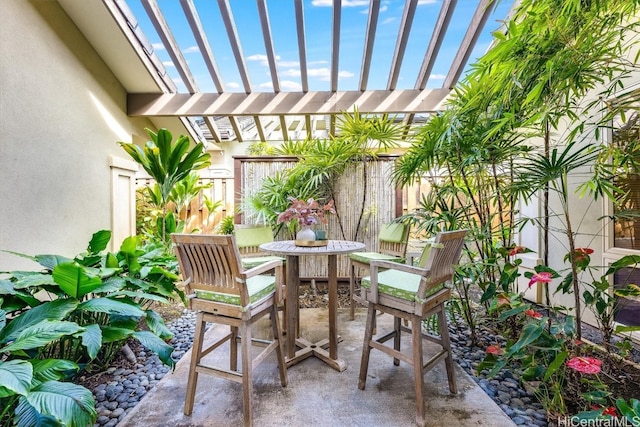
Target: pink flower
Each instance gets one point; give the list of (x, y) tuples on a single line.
[(582, 253), (585, 365), (494, 349), (503, 300), (306, 213), (517, 250), (532, 313), (542, 277)]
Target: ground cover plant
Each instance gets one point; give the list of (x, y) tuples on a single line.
[(74, 315)]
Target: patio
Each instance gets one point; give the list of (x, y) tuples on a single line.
[(318, 395)]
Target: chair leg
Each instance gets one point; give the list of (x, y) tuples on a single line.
[(366, 347), (247, 373), (416, 332), (446, 345), (352, 289), (397, 338), (233, 349), (195, 360), (277, 335)]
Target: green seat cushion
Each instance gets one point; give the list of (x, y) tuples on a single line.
[(400, 284), (367, 257), (257, 286), (393, 232), (250, 262)]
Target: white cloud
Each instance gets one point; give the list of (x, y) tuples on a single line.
[(423, 2), (192, 49), (157, 46), (389, 20), (168, 63), (291, 72), (288, 63), (266, 85), (382, 9), (317, 62), (345, 3), (324, 73), (288, 84), (264, 60), (233, 85), (437, 77)]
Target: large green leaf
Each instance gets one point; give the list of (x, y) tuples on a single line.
[(52, 310), (157, 326), (34, 280), (72, 404), (53, 369), (6, 287), (75, 280), (27, 416), (15, 377), (99, 241), (158, 346), (530, 333), (92, 339), (113, 334), (42, 333), (51, 261), (110, 306)]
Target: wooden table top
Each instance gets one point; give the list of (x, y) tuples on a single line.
[(334, 247)]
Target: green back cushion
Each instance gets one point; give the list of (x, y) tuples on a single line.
[(253, 236), (400, 284), (367, 257), (426, 251), (394, 232), (257, 286)]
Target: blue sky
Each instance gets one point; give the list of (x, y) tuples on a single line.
[(318, 16)]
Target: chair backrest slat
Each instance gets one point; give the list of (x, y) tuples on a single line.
[(443, 259), (211, 262)]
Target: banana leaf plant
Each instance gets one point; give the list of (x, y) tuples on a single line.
[(58, 321), (168, 163)]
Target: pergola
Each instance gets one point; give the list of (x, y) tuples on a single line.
[(132, 54)]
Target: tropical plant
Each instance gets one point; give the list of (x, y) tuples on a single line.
[(66, 318), (168, 163)]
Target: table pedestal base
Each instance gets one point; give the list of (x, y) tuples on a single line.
[(317, 349)]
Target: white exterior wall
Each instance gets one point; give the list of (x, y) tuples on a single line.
[(588, 220), (61, 114)]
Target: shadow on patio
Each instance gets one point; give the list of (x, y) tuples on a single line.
[(318, 395)]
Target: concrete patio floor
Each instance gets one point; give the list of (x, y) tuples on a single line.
[(316, 394)]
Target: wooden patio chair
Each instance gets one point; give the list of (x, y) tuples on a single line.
[(392, 246), (248, 239), (223, 292), (413, 294)]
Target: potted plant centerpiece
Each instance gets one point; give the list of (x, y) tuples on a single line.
[(306, 214)]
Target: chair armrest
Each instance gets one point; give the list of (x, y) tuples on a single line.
[(377, 264), (269, 265)]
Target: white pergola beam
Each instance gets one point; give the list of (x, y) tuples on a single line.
[(285, 103)]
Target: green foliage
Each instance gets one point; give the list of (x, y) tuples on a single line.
[(168, 163), (226, 226), (74, 315)]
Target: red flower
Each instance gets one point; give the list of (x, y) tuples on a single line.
[(517, 250), (582, 253), (610, 411), (542, 277), (578, 343), (532, 313), (494, 349), (585, 365)]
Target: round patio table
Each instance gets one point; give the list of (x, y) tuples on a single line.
[(293, 254)]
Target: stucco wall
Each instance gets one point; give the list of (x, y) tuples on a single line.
[(61, 113)]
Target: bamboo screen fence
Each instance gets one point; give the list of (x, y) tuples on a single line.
[(365, 188)]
